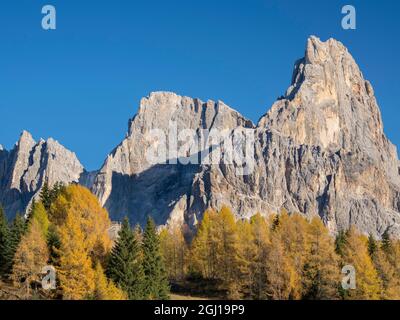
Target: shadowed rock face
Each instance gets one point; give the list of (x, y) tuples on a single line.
[(128, 184), (320, 151), (24, 170)]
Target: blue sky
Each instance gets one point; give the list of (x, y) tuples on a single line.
[(82, 82)]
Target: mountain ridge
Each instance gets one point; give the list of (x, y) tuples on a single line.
[(319, 150)]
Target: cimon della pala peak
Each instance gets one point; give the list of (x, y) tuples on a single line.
[(320, 151)]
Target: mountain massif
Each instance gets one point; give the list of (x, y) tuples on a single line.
[(320, 150)]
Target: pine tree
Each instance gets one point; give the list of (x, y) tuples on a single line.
[(31, 256), (156, 284), (105, 289), (340, 242), (17, 230), (45, 197), (125, 263), (49, 195), (4, 241), (386, 242), (372, 245), (54, 245)]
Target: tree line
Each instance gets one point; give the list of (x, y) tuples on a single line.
[(280, 257), (68, 229)]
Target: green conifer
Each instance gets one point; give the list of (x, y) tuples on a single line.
[(156, 283), (17, 230), (4, 236), (372, 245), (125, 266)]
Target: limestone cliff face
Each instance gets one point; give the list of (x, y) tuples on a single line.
[(320, 151), (128, 184), (24, 169)]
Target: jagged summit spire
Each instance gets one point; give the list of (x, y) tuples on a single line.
[(24, 169), (329, 103), (318, 51), (25, 139)]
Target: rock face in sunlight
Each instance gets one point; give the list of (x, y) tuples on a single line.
[(320, 151), (25, 168), (128, 184)]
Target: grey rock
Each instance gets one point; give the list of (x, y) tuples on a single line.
[(319, 151), (128, 184), (25, 168)]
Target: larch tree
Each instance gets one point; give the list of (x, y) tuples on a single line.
[(80, 204), (228, 252), (253, 246), (105, 289), (292, 231), (75, 272), (39, 214), (257, 255), (248, 254), (30, 258), (355, 253), (174, 251), (387, 274), (280, 272), (321, 273), (204, 247)]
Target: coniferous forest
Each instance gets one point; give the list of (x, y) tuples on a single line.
[(277, 257)]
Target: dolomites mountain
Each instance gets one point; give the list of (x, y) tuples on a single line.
[(320, 151), (25, 168), (128, 184)]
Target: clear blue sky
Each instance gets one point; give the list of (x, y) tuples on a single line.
[(81, 83)]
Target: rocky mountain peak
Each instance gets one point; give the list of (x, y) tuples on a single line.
[(330, 104), (24, 169), (163, 186), (319, 151)]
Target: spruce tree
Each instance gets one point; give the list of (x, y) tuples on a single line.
[(124, 266), (156, 283), (386, 242), (340, 242), (45, 197), (49, 195), (372, 245), (54, 245), (4, 236), (18, 229)]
